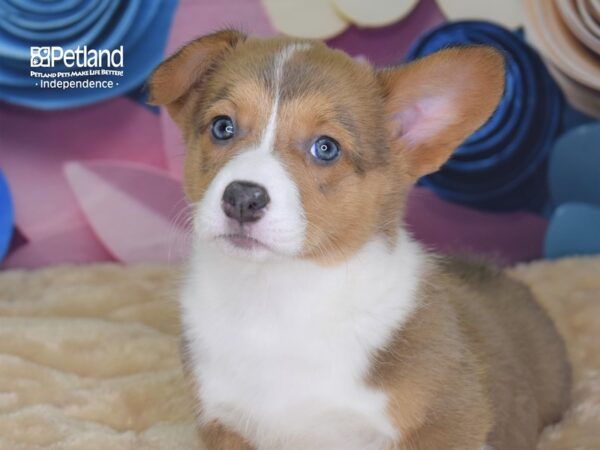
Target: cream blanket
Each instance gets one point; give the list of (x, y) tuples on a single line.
[(89, 357)]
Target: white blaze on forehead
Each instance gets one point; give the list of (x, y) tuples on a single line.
[(268, 135), (284, 225)]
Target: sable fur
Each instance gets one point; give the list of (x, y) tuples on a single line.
[(478, 362)]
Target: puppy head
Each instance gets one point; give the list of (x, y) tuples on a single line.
[(297, 150)]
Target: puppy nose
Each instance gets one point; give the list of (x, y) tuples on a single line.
[(244, 201)]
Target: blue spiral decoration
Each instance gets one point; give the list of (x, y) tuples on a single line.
[(502, 166), (140, 26), (7, 216)]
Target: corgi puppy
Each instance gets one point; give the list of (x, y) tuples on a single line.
[(311, 319)]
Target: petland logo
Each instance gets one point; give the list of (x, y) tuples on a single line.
[(92, 68), (81, 57)]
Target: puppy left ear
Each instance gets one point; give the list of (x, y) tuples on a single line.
[(174, 78), (435, 103)]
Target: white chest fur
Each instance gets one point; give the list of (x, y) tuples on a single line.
[(281, 350)]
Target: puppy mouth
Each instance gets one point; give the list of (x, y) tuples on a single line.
[(243, 241)]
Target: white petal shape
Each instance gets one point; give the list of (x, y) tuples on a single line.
[(506, 12), (133, 209), (77, 245), (312, 19), (374, 13)]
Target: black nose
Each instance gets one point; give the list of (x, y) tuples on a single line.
[(245, 201)]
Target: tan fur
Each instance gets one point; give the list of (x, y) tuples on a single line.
[(472, 76), (362, 184), (478, 362), (344, 100), (177, 77), (217, 437)]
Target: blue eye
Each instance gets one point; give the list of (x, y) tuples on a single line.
[(222, 128), (325, 149)]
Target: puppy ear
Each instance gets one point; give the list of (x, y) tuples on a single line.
[(435, 103), (172, 80)]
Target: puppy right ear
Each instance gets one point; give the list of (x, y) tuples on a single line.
[(435, 103), (171, 81)]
